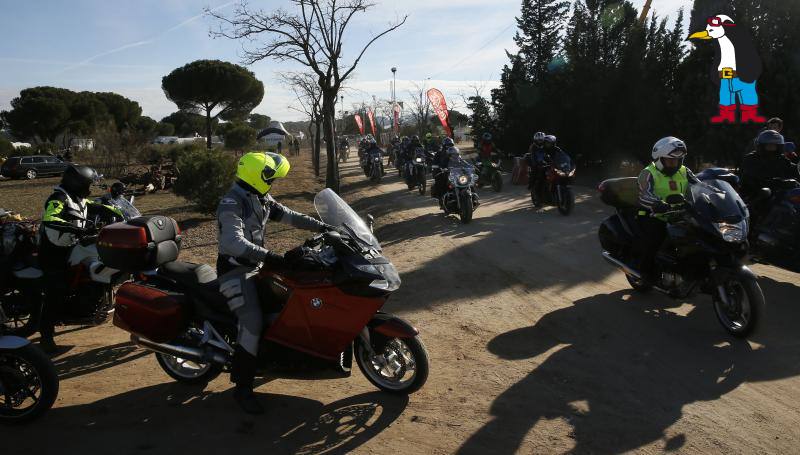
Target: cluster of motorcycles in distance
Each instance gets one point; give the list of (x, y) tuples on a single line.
[(712, 233), (175, 310)]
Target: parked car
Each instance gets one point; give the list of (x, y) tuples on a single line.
[(31, 167)]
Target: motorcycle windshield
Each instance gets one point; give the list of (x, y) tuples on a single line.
[(562, 162), (126, 208), (717, 201), (336, 212)]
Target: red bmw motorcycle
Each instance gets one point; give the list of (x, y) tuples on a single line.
[(323, 315)]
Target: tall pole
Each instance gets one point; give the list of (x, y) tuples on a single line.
[(645, 11), (395, 127), (341, 111)]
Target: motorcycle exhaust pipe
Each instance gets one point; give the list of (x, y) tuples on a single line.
[(184, 352), (625, 267)]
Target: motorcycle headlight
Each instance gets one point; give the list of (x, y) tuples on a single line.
[(376, 159), (733, 233), (418, 160), (572, 172), (463, 179)]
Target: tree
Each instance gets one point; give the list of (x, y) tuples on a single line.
[(40, 113), (312, 35), (6, 149), (538, 37), (228, 90), (187, 123), (259, 121), (165, 129), (145, 127), (420, 109), (240, 136), (125, 112), (309, 102), (205, 177), (481, 119)]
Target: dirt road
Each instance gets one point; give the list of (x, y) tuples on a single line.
[(537, 346)]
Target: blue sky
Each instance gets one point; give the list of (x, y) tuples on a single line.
[(127, 46)]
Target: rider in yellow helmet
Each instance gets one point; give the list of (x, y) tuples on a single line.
[(242, 217)]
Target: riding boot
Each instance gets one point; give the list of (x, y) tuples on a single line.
[(243, 372)]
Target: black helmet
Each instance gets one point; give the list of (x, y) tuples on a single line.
[(415, 138), (770, 142), (77, 180), (117, 189)]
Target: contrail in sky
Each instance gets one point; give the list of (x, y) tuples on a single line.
[(142, 42)]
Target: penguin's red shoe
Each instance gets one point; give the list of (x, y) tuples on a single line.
[(750, 114), (727, 114)]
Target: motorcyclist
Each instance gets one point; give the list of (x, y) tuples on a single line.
[(486, 148), (761, 169), (64, 225), (664, 177), (372, 149), (430, 142), (242, 216), (535, 159)]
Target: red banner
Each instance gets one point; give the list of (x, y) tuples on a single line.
[(440, 107), (360, 124), (372, 122), (396, 118)]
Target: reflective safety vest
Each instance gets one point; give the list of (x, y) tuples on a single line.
[(71, 212), (665, 185)]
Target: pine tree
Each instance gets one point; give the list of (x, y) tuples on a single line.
[(540, 23)]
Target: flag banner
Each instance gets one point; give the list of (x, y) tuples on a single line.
[(440, 107), (371, 117), (396, 118), (359, 123)]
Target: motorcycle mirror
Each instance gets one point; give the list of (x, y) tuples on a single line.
[(370, 222)]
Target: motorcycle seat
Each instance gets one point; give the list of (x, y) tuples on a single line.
[(199, 280)]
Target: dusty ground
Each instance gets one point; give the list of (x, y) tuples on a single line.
[(536, 346)]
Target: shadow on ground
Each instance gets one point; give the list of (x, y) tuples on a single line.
[(625, 367), (174, 418)]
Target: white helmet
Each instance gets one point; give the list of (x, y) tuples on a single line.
[(668, 147), (538, 137), (550, 139)]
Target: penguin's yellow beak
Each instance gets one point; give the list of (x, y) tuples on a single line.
[(700, 35)]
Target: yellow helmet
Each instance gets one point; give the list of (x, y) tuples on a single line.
[(428, 136), (260, 169)]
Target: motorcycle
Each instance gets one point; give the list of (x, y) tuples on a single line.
[(489, 174), (373, 165), (28, 379), (416, 171), (704, 249), (558, 177), (460, 196), (326, 315), (344, 152), (90, 298)]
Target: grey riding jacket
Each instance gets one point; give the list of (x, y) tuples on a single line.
[(242, 218)]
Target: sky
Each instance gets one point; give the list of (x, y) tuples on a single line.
[(127, 46)]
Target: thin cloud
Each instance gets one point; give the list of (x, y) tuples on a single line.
[(142, 42)]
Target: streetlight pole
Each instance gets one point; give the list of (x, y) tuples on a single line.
[(341, 111), (394, 98)]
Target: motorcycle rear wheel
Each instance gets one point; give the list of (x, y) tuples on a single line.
[(23, 319), (187, 371), (30, 369), (388, 371), (747, 307)]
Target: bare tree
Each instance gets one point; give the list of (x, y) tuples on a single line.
[(420, 109), (312, 34), (309, 102)]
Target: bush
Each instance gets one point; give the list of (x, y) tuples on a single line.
[(239, 137), (158, 153), (205, 176), (6, 149)]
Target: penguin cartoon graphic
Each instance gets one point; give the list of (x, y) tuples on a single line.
[(737, 67)]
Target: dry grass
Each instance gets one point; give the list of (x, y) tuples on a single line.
[(199, 230)]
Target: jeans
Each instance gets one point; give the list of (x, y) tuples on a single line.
[(729, 89)]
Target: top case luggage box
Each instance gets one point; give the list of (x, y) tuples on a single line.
[(621, 193), (143, 243)]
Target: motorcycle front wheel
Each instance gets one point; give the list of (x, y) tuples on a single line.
[(466, 208), (399, 366), (497, 182), (567, 201), (28, 384), (743, 306)]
